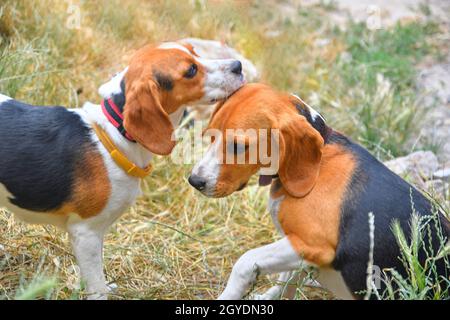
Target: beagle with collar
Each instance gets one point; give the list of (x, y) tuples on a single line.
[(80, 169), (320, 198)]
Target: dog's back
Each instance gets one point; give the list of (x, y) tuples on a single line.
[(39, 152), (374, 188)]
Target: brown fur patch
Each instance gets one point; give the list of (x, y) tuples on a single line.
[(312, 223), (155, 88), (91, 188)]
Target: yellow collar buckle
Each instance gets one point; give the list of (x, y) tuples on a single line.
[(119, 158)]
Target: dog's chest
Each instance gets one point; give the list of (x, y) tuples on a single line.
[(274, 209)]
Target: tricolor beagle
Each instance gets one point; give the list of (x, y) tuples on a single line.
[(79, 169), (320, 198)]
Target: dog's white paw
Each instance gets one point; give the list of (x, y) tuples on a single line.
[(259, 297), (263, 296), (97, 296)]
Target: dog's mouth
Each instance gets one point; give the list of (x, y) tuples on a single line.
[(242, 186), (264, 180)]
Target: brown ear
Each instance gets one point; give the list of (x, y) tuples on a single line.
[(300, 156), (145, 119)]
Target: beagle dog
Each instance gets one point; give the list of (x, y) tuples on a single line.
[(80, 169), (321, 195)]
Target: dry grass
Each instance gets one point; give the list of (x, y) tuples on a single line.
[(173, 243)]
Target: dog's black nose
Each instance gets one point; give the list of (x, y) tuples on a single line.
[(197, 182), (236, 67)]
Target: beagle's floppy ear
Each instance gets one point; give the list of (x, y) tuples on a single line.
[(300, 156), (146, 120)]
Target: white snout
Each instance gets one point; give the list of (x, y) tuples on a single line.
[(220, 81), (208, 168)]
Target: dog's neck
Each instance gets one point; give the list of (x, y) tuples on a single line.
[(113, 107), (134, 151), (314, 118)]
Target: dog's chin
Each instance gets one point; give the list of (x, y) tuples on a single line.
[(217, 194), (230, 92), (224, 97), (213, 192)]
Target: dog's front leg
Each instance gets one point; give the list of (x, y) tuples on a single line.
[(279, 290), (273, 258), (87, 244)]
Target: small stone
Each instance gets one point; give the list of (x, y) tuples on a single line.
[(443, 174), (418, 164), (321, 42), (113, 287)]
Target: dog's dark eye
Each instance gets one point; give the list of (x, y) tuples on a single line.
[(192, 71)]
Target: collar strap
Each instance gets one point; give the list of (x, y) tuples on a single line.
[(115, 116), (119, 158)]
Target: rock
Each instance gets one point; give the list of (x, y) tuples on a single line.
[(443, 174), (211, 49), (417, 167), (435, 81), (379, 14), (437, 187)]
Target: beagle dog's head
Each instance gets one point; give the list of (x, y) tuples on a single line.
[(161, 79), (259, 114)]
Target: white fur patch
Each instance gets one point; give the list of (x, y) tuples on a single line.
[(108, 89), (314, 113), (173, 45), (220, 82), (208, 167), (4, 98), (274, 208)]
